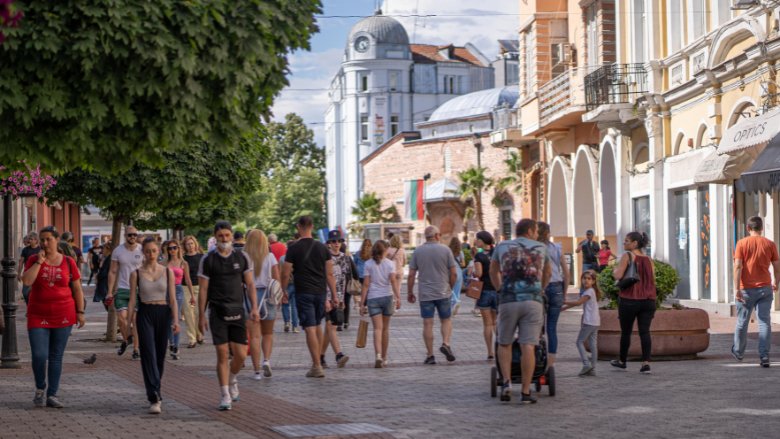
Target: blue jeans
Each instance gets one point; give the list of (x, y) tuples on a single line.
[(457, 287), (48, 344), (174, 338), (555, 297), (441, 306), (586, 267), (761, 299), (286, 308)]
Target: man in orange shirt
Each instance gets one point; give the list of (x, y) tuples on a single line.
[(753, 285)]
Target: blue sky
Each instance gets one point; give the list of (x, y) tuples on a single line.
[(464, 22)]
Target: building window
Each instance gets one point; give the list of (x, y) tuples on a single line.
[(363, 127), (699, 17), (363, 81), (675, 26), (530, 63), (642, 218), (450, 84), (394, 80), (592, 37), (639, 17), (394, 120)]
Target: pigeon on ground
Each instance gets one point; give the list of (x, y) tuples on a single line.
[(91, 360)]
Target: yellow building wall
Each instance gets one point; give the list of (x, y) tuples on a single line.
[(688, 122)]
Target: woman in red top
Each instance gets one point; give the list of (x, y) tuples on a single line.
[(53, 308), (636, 302)]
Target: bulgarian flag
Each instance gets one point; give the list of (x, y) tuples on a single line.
[(413, 199)]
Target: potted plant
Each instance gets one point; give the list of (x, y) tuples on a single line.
[(677, 333)]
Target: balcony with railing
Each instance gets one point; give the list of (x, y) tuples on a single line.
[(615, 84), (561, 97)]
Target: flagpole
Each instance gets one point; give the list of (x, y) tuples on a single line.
[(426, 177)]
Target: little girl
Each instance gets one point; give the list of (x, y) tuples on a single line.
[(589, 298)]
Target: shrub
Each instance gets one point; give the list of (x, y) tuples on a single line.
[(666, 279)]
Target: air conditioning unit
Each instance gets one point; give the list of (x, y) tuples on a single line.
[(561, 54), (744, 4)]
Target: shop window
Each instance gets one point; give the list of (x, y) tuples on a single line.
[(705, 250)]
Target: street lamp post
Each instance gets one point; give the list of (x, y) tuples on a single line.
[(477, 142), (10, 355)]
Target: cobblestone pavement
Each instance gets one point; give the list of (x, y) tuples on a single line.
[(712, 397)]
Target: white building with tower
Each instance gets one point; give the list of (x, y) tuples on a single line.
[(384, 86)]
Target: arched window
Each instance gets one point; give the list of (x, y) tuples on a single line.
[(700, 135), (679, 144)]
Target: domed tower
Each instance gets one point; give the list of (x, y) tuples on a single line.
[(377, 37)]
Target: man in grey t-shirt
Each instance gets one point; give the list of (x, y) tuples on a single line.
[(438, 274)]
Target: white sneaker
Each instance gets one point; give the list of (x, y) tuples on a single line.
[(257, 376), (234, 391), (156, 408), (267, 369), (225, 404)]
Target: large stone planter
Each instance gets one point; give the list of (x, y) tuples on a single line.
[(677, 334)]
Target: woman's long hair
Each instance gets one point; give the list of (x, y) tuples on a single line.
[(595, 276), (195, 240), (257, 248), (378, 251), (365, 250), (179, 252), (455, 246)]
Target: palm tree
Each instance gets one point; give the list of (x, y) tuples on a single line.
[(472, 182), (368, 209), (512, 182)]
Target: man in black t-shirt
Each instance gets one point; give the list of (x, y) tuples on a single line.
[(590, 251), (222, 276), (310, 262), (32, 248)]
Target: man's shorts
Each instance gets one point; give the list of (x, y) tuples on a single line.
[(121, 299), (223, 332), (311, 308), (442, 306), (380, 305), (525, 318)]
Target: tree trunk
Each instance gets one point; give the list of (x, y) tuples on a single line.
[(116, 233), (480, 215), (178, 233)]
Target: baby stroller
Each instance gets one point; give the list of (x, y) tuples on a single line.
[(542, 375)]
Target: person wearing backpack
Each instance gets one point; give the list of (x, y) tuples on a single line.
[(520, 271), (152, 287), (266, 272), (223, 275)]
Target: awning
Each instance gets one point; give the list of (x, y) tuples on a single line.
[(764, 175), (722, 168), (442, 190), (750, 132)]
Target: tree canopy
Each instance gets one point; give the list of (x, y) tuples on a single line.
[(293, 179), (105, 84)]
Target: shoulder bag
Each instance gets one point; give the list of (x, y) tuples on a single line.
[(274, 292), (474, 289), (631, 276)]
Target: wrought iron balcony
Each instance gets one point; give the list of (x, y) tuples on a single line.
[(615, 84)]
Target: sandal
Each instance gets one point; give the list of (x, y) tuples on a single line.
[(191, 345)]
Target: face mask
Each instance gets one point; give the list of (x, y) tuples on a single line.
[(224, 246)]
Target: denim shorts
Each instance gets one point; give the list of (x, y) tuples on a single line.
[(488, 300), (311, 308), (380, 305), (442, 306)]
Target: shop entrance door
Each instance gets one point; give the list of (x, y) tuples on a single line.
[(681, 243)]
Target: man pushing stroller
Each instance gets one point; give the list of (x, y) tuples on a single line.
[(520, 271)]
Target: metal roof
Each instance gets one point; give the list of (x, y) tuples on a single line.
[(384, 29), (475, 104)]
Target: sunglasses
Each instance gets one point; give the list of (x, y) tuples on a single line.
[(132, 235), (173, 248)]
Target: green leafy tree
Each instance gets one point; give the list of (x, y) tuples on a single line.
[(292, 180), (368, 209), (512, 181), (85, 83), (473, 182)]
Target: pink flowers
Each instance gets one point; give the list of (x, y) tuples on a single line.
[(26, 183), (8, 17)]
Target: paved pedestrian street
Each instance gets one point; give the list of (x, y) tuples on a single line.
[(712, 397)]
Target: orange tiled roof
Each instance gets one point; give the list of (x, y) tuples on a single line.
[(428, 53)]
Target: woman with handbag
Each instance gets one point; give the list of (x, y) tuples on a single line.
[(334, 319), (359, 259), (380, 286), (152, 288), (181, 276), (261, 333), (635, 275), (488, 298), (55, 304)]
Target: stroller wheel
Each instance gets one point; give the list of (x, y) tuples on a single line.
[(551, 381), (493, 381)]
